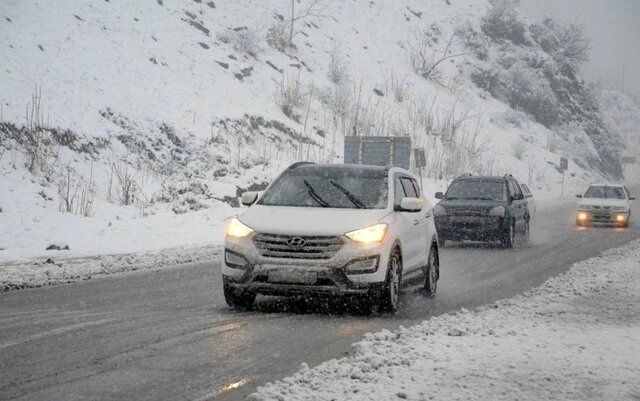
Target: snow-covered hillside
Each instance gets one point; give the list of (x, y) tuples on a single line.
[(131, 126)]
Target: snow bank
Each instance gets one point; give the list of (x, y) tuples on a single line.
[(576, 337), (55, 270)]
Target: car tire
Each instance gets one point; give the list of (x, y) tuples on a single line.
[(508, 236), (391, 294), (237, 298), (432, 272), (527, 228), (626, 223)]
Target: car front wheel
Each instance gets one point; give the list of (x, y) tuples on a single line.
[(391, 294), (432, 273)]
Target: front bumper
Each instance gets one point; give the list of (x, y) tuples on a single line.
[(608, 217), (270, 275), (479, 228)]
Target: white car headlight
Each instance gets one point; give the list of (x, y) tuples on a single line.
[(235, 228), (497, 211), (439, 211), (373, 233)]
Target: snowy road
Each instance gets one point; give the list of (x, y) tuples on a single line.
[(168, 335)]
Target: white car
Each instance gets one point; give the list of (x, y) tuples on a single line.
[(604, 203), (332, 230)]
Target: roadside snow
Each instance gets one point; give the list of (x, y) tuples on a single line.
[(574, 338), (56, 270)]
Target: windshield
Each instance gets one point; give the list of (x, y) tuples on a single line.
[(605, 192), (482, 190), (334, 188)]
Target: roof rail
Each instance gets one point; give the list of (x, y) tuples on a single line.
[(298, 164), (465, 175), (508, 175)]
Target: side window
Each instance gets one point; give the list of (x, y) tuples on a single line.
[(514, 188), (398, 191), (627, 191), (409, 190), (416, 186)]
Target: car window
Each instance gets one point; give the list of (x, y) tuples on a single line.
[(347, 189), (516, 188), (477, 189), (605, 192), (525, 190), (409, 189)]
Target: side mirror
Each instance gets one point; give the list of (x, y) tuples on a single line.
[(578, 196), (248, 198), (517, 197), (632, 198), (411, 204), (439, 195)]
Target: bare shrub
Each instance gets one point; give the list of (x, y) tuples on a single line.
[(124, 189), (36, 142), (566, 43), (515, 118), (278, 36), (426, 60), (290, 96), (396, 85), (337, 71), (245, 40), (503, 22), (518, 149), (281, 34), (76, 194)]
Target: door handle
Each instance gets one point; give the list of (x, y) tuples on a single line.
[(416, 222)]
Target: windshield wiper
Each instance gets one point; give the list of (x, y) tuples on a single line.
[(359, 204), (314, 195)]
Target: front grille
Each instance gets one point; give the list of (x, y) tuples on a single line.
[(315, 247)]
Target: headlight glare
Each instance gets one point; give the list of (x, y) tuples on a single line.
[(497, 211), (235, 228), (439, 211), (373, 233)]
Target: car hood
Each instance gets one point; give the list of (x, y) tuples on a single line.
[(602, 202), (309, 220), (467, 206)]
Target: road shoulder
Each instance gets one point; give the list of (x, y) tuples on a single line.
[(575, 337)]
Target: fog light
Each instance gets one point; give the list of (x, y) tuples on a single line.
[(235, 260), (362, 266), (582, 216)]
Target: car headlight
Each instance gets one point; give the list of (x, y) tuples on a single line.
[(497, 211), (439, 211), (237, 229), (373, 233), (584, 207)]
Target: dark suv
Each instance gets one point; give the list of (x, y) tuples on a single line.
[(482, 208)]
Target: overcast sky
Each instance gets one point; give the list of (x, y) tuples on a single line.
[(614, 27)]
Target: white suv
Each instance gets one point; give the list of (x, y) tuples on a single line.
[(332, 230)]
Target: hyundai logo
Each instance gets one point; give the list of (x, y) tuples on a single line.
[(296, 242)]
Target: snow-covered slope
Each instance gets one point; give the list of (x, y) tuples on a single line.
[(150, 110)]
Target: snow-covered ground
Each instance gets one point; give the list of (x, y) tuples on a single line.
[(574, 338)]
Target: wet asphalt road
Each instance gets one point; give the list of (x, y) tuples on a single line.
[(168, 335)]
